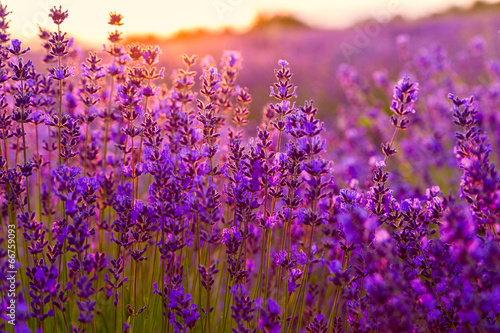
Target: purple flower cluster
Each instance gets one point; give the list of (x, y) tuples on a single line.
[(145, 206)]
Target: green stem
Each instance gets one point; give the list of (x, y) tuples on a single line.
[(86, 142), (306, 278), (39, 177), (6, 154), (268, 263), (217, 293), (134, 285), (333, 312), (25, 162), (106, 130), (140, 145), (60, 115), (125, 151), (258, 286)]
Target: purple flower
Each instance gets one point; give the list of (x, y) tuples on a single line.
[(269, 316), (58, 15), (16, 48), (232, 238), (61, 73), (243, 308), (115, 19), (150, 55), (318, 325)]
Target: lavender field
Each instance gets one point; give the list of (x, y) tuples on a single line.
[(358, 193)]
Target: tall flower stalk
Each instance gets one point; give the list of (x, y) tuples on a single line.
[(114, 70), (59, 49), (22, 73)]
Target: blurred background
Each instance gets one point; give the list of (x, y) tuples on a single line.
[(346, 56), (315, 37)]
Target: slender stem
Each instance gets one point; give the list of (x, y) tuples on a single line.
[(268, 263), (258, 285), (106, 129), (134, 290), (279, 141), (306, 277), (207, 265), (65, 322), (162, 275), (133, 168), (54, 318), (17, 151), (227, 300), (49, 219), (136, 263), (39, 177), (217, 293), (125, 151), (338, 292), (391, 142), (60, 106), (150, 293), (286, 226), (25, 163), (142, 138), (6, 154), (86, 142), (333, 312)]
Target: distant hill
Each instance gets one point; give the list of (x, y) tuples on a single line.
[(476, 7), (263, 23), (278, 21)]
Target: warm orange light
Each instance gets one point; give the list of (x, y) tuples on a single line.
[(88, 19)]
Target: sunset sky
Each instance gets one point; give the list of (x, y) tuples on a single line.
[(88, 19)]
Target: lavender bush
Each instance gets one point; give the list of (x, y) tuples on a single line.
[(138, 205)]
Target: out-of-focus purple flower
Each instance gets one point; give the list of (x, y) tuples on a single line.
[(243, 308), (232, 239), (269, 320), (150, 55), (318, 325), (61, 73), (15, 49), (115, 19), (58, 15)]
